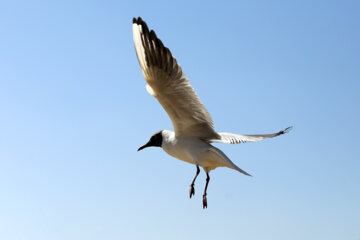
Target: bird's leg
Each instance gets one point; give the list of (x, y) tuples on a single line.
[(192, 189), (204, 196)]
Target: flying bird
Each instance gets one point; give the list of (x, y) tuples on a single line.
[(193, 127)]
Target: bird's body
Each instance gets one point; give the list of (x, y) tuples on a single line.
[(193, 127), (196, 151), (187, 149)]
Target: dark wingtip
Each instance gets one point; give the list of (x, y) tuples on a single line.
[(286, 130), (137, 20), (144, 25), (153, 35)]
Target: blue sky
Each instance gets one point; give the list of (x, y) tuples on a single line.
[(74, 110)]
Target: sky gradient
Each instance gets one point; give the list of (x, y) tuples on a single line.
[(74, 110)]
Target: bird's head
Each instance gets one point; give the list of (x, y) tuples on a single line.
[(155, 141)]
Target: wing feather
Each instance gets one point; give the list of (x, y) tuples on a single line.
[(232, 138), (169, 85)]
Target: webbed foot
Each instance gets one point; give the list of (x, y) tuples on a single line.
[(192, 190)]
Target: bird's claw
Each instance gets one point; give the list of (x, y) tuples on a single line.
[(204, 201), (192, 190)]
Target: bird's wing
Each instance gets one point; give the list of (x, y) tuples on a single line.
[(168, 84), (232, 138)]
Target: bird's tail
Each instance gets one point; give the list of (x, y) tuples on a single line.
[(226, 162)]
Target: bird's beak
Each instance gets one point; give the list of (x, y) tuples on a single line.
[(148, 144)]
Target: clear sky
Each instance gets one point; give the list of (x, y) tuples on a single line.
[(74, 110)]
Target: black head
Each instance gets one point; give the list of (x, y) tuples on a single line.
[(155, 141)]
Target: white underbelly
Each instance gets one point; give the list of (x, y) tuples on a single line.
[(179, 155), (186, 149), (196, 151)]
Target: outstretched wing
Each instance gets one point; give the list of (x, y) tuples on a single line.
[(232, 138), (168, 84)]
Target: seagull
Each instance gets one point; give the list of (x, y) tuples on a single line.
[(193, 127)]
